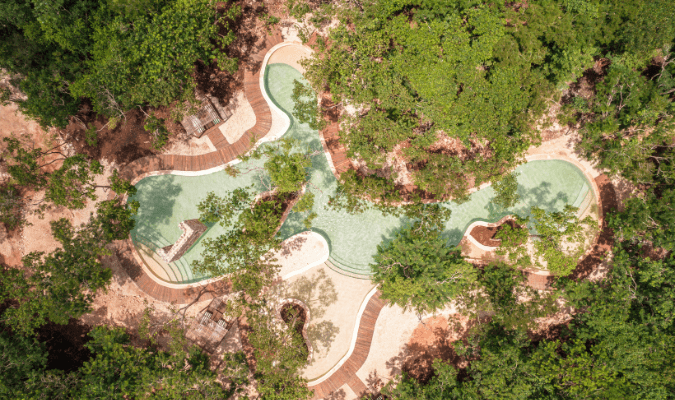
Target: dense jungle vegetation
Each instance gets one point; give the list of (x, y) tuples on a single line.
[(456, 89), (117, 54), (485, 73)]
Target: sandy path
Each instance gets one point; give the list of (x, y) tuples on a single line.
[(241, 120), (334, 301)]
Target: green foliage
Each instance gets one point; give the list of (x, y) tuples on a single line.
[(20, 359), (158, 131), (117, 370), (120, 185), (501, 291), (353, 188), (417, 270), (513, 243), (269, 20), (630, 317), (482, 74), (232, 171), (129, 372), (242, 251), (11, 204), (629, 121), (466, 88), (297, 8), (48, 99), (305, 204), (651, 218), (119, 54), (619, 346), (287, 169), (215, 209), (73, 183), (305, 106), (280, 352), (560, 238), (62, 285), (91, 136), (23, 165), (149, 59), (5, 94), (506, 191)]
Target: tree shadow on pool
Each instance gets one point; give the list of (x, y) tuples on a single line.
[(157, 197), (540, 196)]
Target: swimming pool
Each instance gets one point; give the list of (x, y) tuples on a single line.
[(165, 200)]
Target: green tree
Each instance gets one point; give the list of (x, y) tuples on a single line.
[(628, 122), (70, 185), (158, 131), (500, 291), (73, 184), (287, 169), (305, 106), (21, 359), (619, 345), (651, 218), (396, 63), (513, 243), (506, 191), (62, 285), (280, 352), (120, 370), (115, 53), (245, 250), (148, 58), (417, 270), (11, 205), (560, 238)]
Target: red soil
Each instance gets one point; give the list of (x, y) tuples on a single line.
[(485, 235)]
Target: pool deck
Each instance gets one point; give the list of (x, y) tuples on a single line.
[(344, 373), (167, 164)]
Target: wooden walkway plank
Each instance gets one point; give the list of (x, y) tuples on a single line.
[(225, 152), (346, 374)]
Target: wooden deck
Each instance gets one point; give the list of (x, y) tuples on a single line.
[(165, 163), (225, 153), (346, 374), (338, 153)]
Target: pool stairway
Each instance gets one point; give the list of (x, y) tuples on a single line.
[(178, 271)]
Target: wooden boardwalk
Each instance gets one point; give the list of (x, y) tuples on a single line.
[(166, 163), (226, 152), (346, 374), (330, 137)]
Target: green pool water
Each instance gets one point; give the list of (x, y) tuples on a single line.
[(168, 199)]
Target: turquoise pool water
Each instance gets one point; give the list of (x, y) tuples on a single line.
[(168, 199)]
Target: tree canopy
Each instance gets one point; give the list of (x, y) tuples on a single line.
[(421, 72), (117, 54), (417, 270)]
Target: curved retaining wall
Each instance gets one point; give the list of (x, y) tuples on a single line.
[(199, 165)]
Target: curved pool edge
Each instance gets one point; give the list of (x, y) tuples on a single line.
[(147, 281), (338, 264)]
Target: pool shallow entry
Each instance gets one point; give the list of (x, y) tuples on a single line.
[(166, 200)]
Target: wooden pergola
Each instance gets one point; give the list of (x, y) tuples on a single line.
[(206, 117)]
